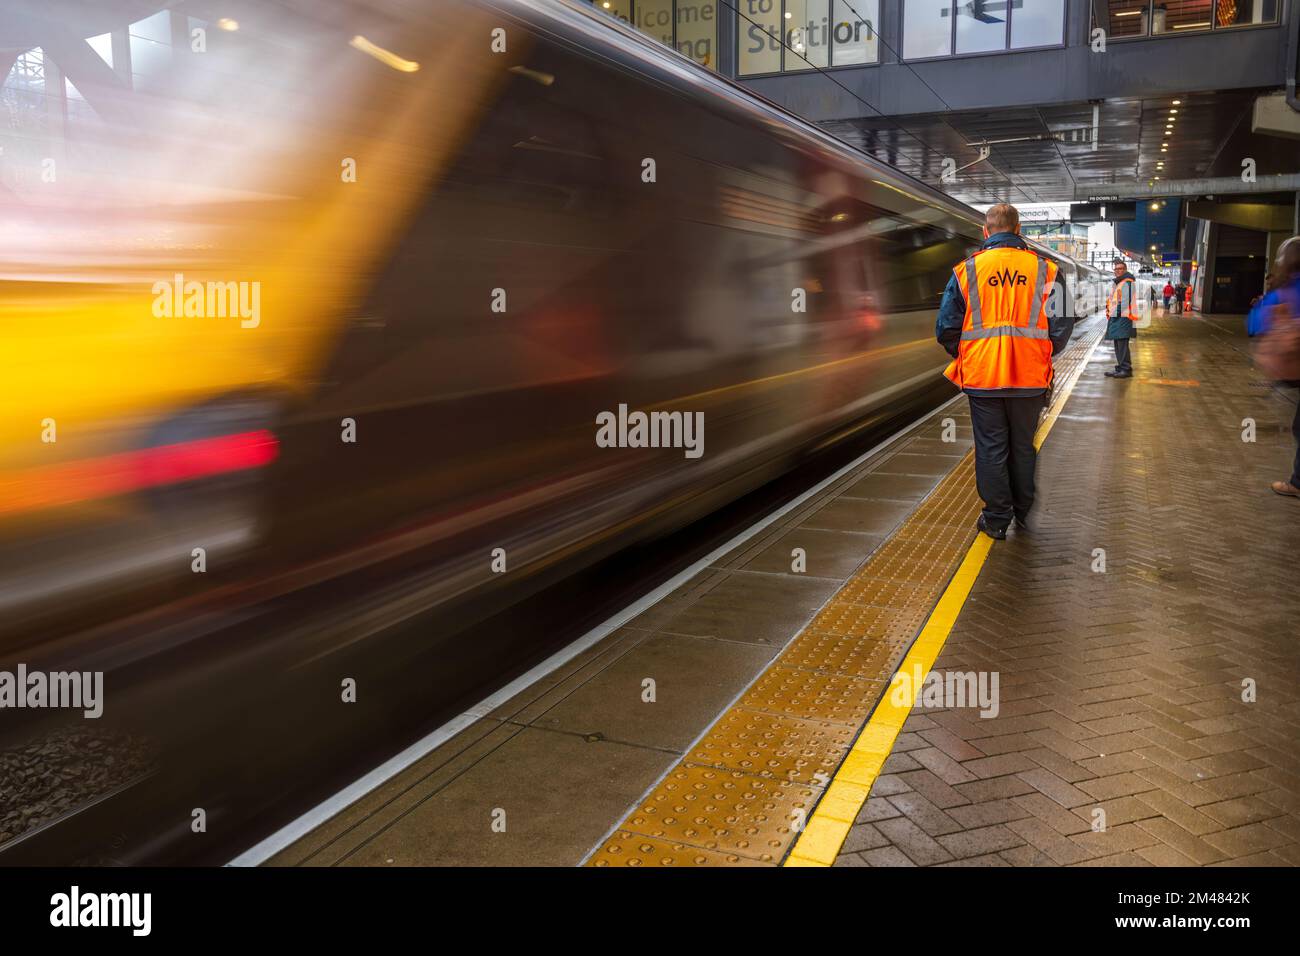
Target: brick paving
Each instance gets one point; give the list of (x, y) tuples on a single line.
[(1122, 690)]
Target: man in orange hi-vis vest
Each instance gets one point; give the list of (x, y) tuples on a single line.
[(1002, 319), (1121, 319)]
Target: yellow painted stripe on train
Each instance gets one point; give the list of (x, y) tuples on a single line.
[(827, 828)]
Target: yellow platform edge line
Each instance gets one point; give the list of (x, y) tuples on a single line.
[(828, 827)]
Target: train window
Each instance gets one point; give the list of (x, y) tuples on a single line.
[(911, 262)]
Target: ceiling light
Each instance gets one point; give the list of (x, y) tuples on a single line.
[(1177, 102), (1163, 150), (1174, 111), (228, 24)]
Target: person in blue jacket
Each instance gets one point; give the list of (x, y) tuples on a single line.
[(1286, 291)]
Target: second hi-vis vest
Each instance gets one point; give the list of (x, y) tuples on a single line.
[(1116, 306), (1004, 336)]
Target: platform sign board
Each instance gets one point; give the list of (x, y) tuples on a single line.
[(1099, 210)]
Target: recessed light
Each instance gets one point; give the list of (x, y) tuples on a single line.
[(1177, 102)]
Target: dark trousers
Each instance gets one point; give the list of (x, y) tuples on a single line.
[(1123, 362), (1295, 432), (1004, 455)]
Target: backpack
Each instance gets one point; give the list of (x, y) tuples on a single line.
[(1277, 354)]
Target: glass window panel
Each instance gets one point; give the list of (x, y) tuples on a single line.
[(981, 25), (927, 28), (619, 9), (149, 59), (760, 30), (654, 17), (853, 29), (697, 30), (157, 28), (1181, 16), (1242, 13), (103, 45), (1037, 23), (806, 34), (1126, 18)]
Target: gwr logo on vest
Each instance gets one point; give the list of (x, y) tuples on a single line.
[(1008, 277)]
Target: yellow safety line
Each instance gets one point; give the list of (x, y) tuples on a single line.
[(827, 828)]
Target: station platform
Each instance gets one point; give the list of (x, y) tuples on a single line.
[(1138, 649)]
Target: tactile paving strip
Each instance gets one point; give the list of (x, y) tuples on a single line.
[(743, 794)]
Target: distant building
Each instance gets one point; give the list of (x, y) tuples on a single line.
[(1067, 238)]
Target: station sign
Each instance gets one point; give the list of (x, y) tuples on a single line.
[(1104, 211)]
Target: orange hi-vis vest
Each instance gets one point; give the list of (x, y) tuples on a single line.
[(1115, 302), (1004, 336)]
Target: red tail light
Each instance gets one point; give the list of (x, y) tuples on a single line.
[(95, 478)]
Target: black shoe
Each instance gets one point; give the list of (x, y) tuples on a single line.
[(1112, 374), (1022, 524), (997, 534), (1123, 374)]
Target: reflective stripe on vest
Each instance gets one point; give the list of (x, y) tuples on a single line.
[(973, 296), (1005, 341), (1116, 294), (1019, 331)]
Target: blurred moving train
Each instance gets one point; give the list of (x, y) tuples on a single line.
[(346, 291), (351, 286)]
